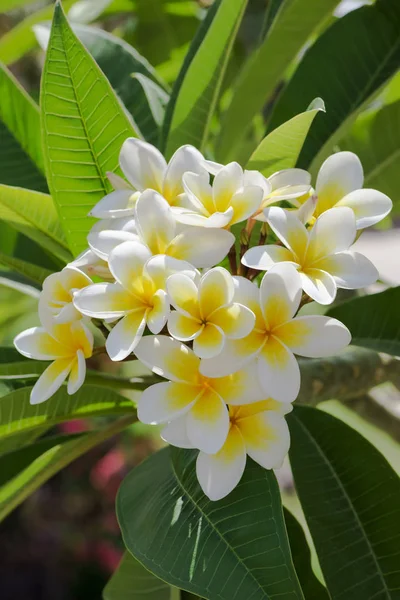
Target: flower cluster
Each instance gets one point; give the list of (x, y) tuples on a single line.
[(161, 277)]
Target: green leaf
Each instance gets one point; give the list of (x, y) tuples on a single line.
[(50, 461), (374, 321), (281, 148), (84, 126), (17, 415), (131, 581), (7, 5), (21, 161), (13, 364), (119, 61), (347, 66), (33, 272), (232, 549), (351, 500), (33, 214), (311, 586), (294, 23), (372, 138), (197, 90)]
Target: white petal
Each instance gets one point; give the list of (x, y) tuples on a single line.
[(37, 343), (175, 433), (234, 356), (159, 268), (51, 380), (108, 233), (307, 209), (263, 258), (278, 371), (209, 342), (91, 264), (289, 229), (213, 167), (157, 316), (125, 335), (67, 314), (289, 177), (118, 183), (246, 202), (314, 336), (256, 178), (319, 285), (208, 422), (280, 294), (334, 231), (216, 289), (217, 219), (186, 158), (78, 373), (236, 320), (155, 221), (199, 192), (120, 203), (351, 270), (226, 183), (104, 300), (183, 294), (369, 206), (126, 263), (202, 246), (183, 327), (340, 174), (166, 401), (268, 450), (143, 165), (242, 387), (220, 473), (169, 358)]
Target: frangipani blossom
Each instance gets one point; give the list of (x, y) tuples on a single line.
[(145, 168), (189, 394), (339, 183), (257, 430), (231, 199), (89, 263), (56, 299), (320, 254), (277, 335), (138, 298), (205, 312), (107, 234), (68, 345)]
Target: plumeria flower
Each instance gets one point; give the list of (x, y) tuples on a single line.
[(68, 345), (88, 262), (205, 312), (231, 199), (107, 234), (154, 226), (145, 167), (257, 430), (138, 298), (321, 254), (277, 335), (339, 183), (56, 299), (189, 394)]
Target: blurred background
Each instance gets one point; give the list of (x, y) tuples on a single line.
[(63, 542)]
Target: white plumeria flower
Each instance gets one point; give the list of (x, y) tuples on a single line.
[(257, 430), (277, 335), (231, 199), (339, 183), (107, 234), (68, 346), (56, 299), (188, 393), (145, 167), (321, 254), (205, 312), (138, 298), (156, 227), (88, 262)]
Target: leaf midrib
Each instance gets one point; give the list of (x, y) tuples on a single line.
[(348, 499)]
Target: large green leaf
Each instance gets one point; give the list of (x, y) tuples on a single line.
[(33, 272), (84, 126), (17, 415), (311, 586), (281, 148), (351, 500), (346, 66), (232, 549), (295, 22), (194, 104), (34, 214), (119, 61), (7, 5), (13, 364), (21, 161), (131, 581), (375, 139), (52, 459), (374, 321)]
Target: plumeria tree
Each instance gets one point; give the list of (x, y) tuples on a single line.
[(192, 281)]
